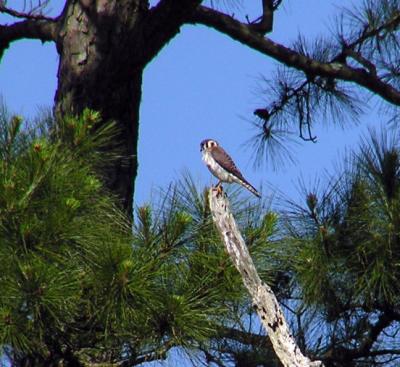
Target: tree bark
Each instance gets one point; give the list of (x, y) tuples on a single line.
[(101, 68), (104, 47)]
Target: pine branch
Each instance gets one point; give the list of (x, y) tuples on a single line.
[(265, 22), (43, 30), (164, 22), (24, 15), (243, 33), (364, 350), (264, 300), (245, 337), (381, 352), (158, 355), (368, 33)]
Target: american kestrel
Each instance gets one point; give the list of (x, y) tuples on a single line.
[(222, 166)]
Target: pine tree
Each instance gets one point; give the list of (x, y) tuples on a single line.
[(79, 284), (343, 252)]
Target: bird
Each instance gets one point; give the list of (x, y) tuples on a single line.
[(221, 165)]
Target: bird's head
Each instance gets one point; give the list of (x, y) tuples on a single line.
[(207, 145)]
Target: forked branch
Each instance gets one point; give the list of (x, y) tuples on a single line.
[(264, 300), (265, 22)]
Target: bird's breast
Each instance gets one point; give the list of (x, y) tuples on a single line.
[(215, 168)]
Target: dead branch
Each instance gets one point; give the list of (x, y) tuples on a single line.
[(264, 300)]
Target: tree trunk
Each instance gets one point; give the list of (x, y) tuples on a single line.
[(101, 65)]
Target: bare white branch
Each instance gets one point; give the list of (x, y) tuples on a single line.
[(264, 300)]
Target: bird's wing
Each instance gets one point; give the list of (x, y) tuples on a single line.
[(226, 162)]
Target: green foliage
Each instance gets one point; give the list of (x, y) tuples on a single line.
[(78, 283), (203, 282), (344, 250), (354, 225), (364, 37), (55, 221)]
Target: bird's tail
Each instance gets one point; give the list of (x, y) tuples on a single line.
[(251, 189)]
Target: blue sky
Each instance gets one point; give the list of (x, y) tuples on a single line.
[(201, 85)]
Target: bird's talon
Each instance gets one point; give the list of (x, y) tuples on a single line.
[(219, 189)]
